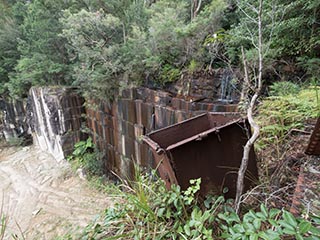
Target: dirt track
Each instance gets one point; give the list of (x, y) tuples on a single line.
[(42, 197)]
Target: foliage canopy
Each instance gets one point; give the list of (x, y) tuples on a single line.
[(100, 46)]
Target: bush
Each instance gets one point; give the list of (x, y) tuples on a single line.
[(267, 224), (149, 211), (145, 209), (279, 114), (15, 141), (87, 157), (3, 224), (284, 88)]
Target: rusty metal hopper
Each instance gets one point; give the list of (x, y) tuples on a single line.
[(209, 147), (313, 147)]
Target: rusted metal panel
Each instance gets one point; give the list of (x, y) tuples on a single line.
[(209, 147), (314, 143)]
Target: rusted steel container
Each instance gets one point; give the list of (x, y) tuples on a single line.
[(313, 147), (209, 146)]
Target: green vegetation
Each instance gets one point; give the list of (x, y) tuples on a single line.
[(100, 46), (284, 88), (267, 224), (145, 209), (15, 141), (87, 157), (281, 113), (3, 224)]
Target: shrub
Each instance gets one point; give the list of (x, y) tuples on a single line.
[(147, 210), (272, 224), (15, 141), (284, 88), (3, 224), (87, 157), (278, 115)]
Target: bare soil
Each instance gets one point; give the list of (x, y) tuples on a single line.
[(42, 198)]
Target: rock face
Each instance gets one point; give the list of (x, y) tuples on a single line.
[(14, 123), (219, 86), (117, 128), (55, 117)]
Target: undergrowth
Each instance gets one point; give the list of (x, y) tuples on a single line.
[(278, 115), (3, 225), (145, 209), (87, 157), (3, 221), (286, 123)]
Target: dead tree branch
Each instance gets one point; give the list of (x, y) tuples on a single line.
[(255, 127)]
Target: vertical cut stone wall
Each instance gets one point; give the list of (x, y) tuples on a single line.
[(117, 128), (55, 118), (13, 120)]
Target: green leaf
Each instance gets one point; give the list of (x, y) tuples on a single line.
[(187, 229), (304, 227), (252, 214), (315, 231), (274, 212), (311, 238), (254, 237), (269, 235), (261, 216), (257, 224), (226, 235), (286, 225), (234, 218), (298, 237), (264, 210), (289, 218), (249, 226), (160, 212), (273, 222), (289, 231), (316, 219), (239, 228)]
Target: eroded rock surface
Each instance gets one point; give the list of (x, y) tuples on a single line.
[(55, 118)]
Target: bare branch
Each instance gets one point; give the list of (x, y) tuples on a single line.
[(252, 38), (253, 124), (198, 8), (247, 15), (273, 26), (246, 84), (253, 8)]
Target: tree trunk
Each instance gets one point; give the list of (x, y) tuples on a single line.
[(195, 8), (255, 127)]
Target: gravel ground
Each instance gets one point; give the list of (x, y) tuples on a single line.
[(43, 199)]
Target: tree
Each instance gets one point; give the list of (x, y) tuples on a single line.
[(94, 43), (175, 41), (252, 83), (9, 35), (9, 54), (295, 39), (43, 59)]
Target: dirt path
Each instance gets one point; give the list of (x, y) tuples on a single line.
[(42, 197)]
